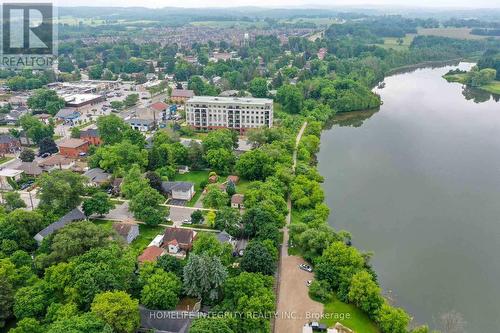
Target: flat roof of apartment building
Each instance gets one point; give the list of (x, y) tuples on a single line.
[(229, 100)]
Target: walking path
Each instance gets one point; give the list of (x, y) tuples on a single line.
[(295, 307)]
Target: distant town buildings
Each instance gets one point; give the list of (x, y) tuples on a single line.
[(208, 112), (181, 95)]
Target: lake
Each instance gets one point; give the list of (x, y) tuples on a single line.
[(418, 183)]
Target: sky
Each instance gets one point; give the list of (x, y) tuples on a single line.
[(282, 3)]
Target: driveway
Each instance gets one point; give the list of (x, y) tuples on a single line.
[(295, 307)]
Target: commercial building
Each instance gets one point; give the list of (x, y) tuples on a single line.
[(181, 95), (208, 112)]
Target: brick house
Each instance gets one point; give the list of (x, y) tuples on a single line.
[(176, 240), (180, 96), (73, 147), (9, 144), (91, 136)]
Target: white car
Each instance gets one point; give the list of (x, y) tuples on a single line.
[(308, 283), (306, 268), (186, 221)]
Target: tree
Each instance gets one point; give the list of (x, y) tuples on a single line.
[(47, 145), (32, 301), (146, 206), (131, 100), (95, 72), (27, 155), (154, 180), (76, 239), (258, 259), (117, 309), (117, 105), (210, 325), (99, 204), (208, 244), (12, 201), (248, 294), (392, 320), (215, 198), (290, 98), (161, 291), (255, 165), (228, 219), (222, 138), (60, 191), (204, 276), (230, 188), (75, 132), (35, 130), (119, 157), (45, 101), (258, 87), (6, 299), (171, 264), (111, 129), (85, 323), (133, 182), (27, 325), (221, 160), (365, 293), (197, 217)]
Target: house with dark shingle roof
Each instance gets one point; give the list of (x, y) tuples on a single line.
[(75, 215), (127, 231), (178, 190), (9, 144), (97, 176), (177, 239), (92, 136)]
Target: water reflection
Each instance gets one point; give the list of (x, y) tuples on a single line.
[(478, 95), (351, 119)]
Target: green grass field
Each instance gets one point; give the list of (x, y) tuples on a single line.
[(395, 44), (348, 315), (4, 159), (460, 33), (493, 87), (196, 177)]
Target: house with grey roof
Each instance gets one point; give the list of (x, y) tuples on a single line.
[(142, 125), (178, 190), (30, 168), (224, 237), (97, 176), (127, 231), (75, 215)]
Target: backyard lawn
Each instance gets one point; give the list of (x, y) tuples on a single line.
[(354, 318), (146, 234), (196, 177)]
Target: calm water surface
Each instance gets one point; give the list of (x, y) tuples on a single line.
[(418, 183)]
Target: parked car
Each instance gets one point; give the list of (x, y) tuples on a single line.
[(306, 268), (308, 283), (45, 155), (186, 221), (168, 219)]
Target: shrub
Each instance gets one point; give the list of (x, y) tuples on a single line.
[(319, 291)]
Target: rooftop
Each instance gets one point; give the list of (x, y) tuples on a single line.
[(10, 172), (74, 215), (151, 253), (230, 100), (97, 175), (72, 143), (177, 186), (182, 93)]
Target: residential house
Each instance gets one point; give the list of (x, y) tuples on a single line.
[(30, 168), (162, 321), (178, 190), (9, 177), (151, 254), (97, 176), (43, 117), (237, 201), (178, 240), (92, 136), (56, 162), (224, 237), (142, 125), (159, 106), (9, 144), (180, 96), (73, 147), (68, 115), (75, 215), (127, 231)]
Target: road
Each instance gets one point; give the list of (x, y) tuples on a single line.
[(294, 304)]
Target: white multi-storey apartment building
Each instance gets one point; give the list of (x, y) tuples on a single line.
[(239, 113)]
